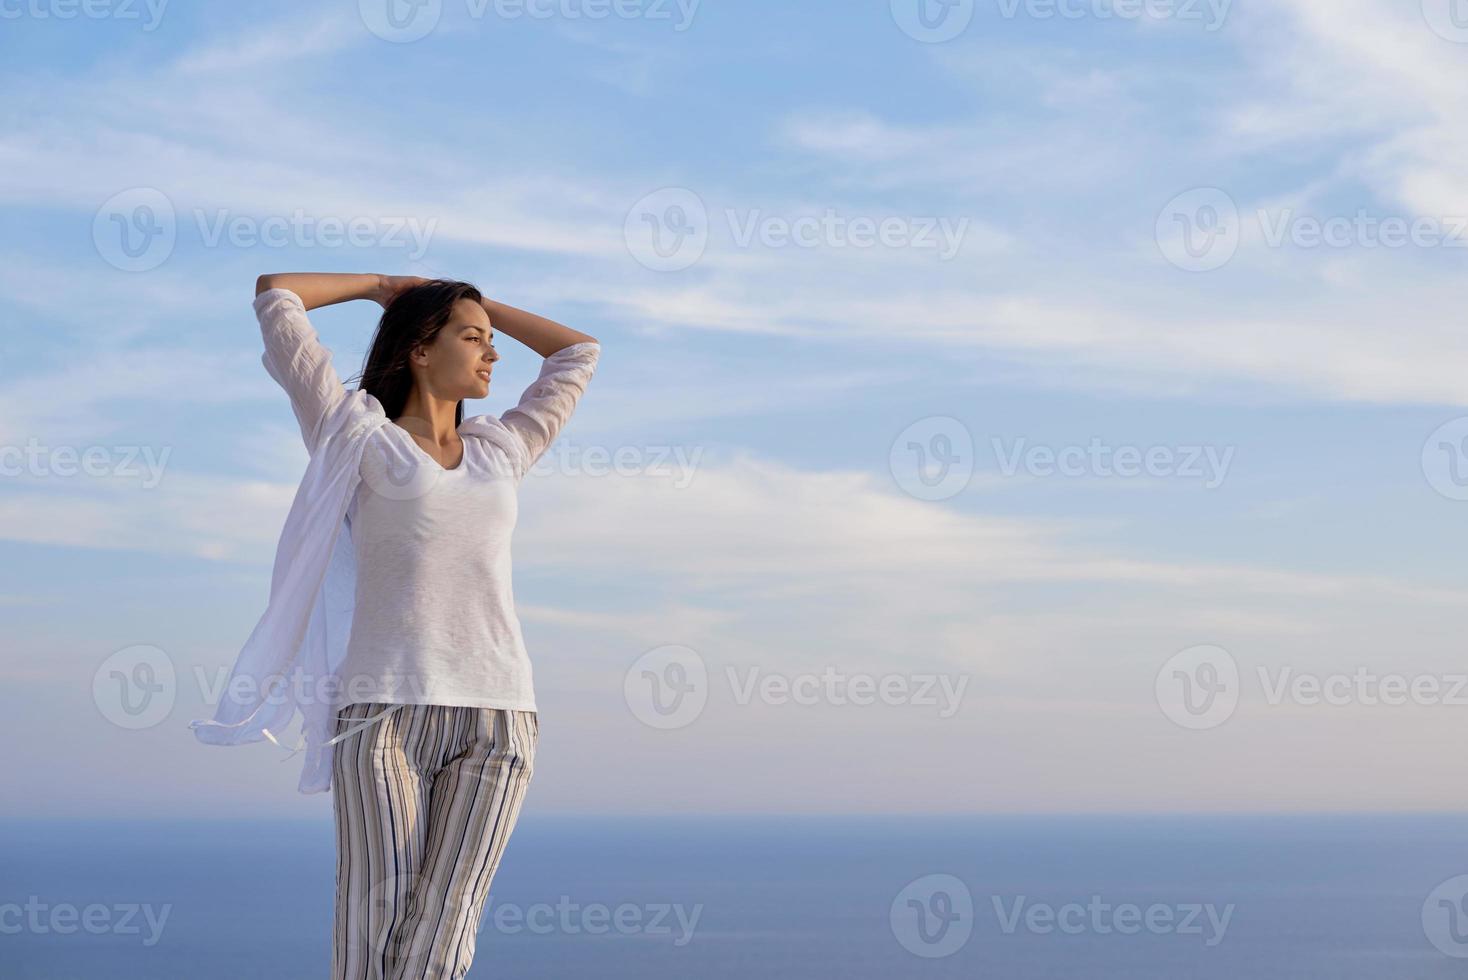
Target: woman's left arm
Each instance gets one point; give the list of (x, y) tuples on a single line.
[(542, 335)]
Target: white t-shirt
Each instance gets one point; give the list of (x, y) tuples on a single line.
[(434, 620)]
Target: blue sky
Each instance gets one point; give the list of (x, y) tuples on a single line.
[(552, 160)]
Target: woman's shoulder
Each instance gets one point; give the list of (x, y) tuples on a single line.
[(495, 436)]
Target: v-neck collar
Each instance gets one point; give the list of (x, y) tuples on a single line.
[(463, 448)]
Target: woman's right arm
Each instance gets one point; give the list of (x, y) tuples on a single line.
[(294, 355), (323, 288)]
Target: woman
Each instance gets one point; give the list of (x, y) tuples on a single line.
[(432, 714)]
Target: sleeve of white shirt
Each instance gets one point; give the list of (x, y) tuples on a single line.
[(549, 401), (296, 359)]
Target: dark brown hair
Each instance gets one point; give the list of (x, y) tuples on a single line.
[(412, 319)]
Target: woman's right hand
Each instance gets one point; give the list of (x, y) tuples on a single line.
[(389, 286)]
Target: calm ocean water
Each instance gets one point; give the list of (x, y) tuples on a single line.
[(714, 898)]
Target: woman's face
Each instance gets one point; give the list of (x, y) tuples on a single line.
[(462, 355)]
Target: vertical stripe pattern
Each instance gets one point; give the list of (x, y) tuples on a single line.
[(425, 801)]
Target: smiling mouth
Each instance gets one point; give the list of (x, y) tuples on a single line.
[(483, 374)]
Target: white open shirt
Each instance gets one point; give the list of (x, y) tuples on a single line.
[(291, 659)]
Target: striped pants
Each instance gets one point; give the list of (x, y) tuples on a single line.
[(425, 797)]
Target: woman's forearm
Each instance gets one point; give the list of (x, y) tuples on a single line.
[(540, 334), (323, 288)]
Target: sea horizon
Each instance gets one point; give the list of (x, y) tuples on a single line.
[(1203, 896)]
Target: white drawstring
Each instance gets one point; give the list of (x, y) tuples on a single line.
[(355, 728), (365, 722)]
